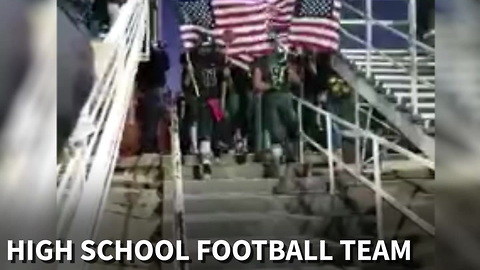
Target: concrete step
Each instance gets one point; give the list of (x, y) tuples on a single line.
[(402, 169), (332, 249), (130, 214), (221, 171), (269, 226), (420, 202), (396, 224), (225, 186), (391, 170), (152, 160), (267, 266), (254, 196), (260, 191), (302, 204)]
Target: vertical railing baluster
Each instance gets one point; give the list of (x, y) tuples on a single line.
[(257, 117), (413, 54), (301, 142), (378, 184), (331, 169), (369, 36), (148, 34)]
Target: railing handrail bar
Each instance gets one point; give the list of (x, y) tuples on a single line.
[(110, 87), (430, 229), (98, 94), (390, 59), (122, 22), (115, 32), (133, 28), (364, 21), (424, 161), (179, 203), (382, 123), (418, 43)]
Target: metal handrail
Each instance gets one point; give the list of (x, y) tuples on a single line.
[(381, 123), (376, 186), (364, 21), (370, 135), (83, 185), (179, 199)]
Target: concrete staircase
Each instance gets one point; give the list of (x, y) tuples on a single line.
[(237, 203)]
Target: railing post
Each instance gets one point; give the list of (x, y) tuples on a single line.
[(413, 54), (149, 36), (301, 143), (257, 117), (155, 13), (369, 35), (369, 46), (331, 169), (377, 175)]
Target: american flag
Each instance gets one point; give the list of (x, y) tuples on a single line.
[(315, 25), (196, 21), (243, 25)]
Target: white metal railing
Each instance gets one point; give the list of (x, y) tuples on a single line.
[(410, 37), (180, 229), (377, 143), (84, 177)]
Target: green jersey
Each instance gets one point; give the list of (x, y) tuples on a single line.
[(274, 71)]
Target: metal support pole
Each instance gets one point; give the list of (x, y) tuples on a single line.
[(331, 169), (358, 158), (301, 143), (155, 13), (367, 127), (149, 36), (369, 36), (259, 134), (378, 183), (413, 55), (369, 45)]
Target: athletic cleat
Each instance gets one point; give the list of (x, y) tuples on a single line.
[(207, 171)]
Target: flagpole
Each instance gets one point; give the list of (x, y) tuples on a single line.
[(192, 75), (189, 61)]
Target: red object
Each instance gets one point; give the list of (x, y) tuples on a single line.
[(216, 108)]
